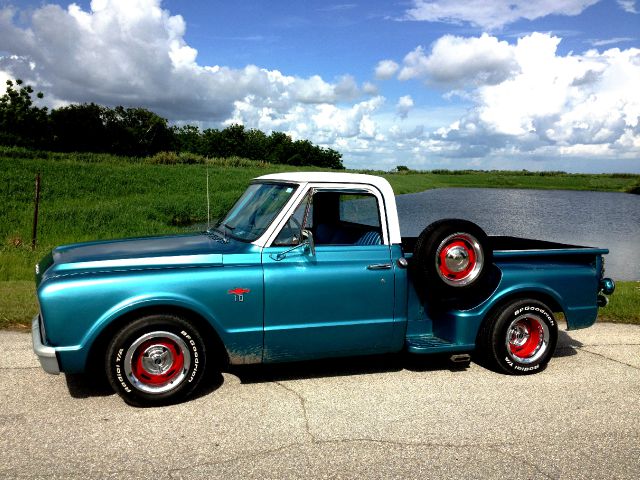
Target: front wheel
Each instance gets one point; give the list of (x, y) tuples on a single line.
[(155, 360), (520, 338)]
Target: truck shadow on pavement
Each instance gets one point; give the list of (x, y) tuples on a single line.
[(96, 385), (393, 362), (567, 346), (341, 367), (83, 385)]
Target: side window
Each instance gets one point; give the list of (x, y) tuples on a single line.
[(335, 218), (346, 218), (360, 209)]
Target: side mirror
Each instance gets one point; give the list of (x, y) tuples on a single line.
[(307, 242), (307, 237)]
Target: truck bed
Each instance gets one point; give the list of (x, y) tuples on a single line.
[(504, 246), (535, 267)]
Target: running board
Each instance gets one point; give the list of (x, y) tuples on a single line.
[(431, 344)]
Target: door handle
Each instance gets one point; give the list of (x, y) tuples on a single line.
[(379, 266)]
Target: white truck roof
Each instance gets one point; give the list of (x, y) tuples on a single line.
[(353, 179)]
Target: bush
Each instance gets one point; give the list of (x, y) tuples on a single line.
[(635, 189), (173, 158)]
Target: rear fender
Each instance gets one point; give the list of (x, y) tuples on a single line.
[(545, 294)]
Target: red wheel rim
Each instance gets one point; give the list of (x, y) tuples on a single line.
[(459, 259), (468, 264), (157, 362), (527, 338), (166, 365)]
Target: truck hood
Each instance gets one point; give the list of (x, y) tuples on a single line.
[(171, 251)]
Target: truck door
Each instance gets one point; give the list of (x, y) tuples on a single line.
[(338, 300)]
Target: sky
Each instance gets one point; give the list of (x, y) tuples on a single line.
[(428, 84)]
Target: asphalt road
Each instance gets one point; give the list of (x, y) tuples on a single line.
[(381, 417)]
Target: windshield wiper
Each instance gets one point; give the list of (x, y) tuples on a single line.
[(222, 228)]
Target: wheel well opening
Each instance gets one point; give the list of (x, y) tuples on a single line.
[(548, 300), (95, 359)]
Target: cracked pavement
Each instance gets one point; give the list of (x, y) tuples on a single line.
[(392, 416)]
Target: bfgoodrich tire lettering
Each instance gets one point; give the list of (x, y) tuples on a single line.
[(520, 338), (155, 360)]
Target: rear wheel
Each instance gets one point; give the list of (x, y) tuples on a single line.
[(157, 359), (520, 338)]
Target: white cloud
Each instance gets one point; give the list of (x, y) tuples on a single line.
[(369, 88), (398, 133), (133, 52), (415, 65), (315, 90), (524, 100), (386, 69), (461, 61), (324, 123), (585, 104), (493, 14), (575, 112), (609, 41), (628, 6), (404, 106)]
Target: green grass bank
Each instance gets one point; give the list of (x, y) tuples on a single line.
[(97, 196)]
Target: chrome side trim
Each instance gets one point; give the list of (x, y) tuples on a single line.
[(46, 355)]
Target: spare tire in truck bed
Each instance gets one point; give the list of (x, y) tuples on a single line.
[(452, 257)]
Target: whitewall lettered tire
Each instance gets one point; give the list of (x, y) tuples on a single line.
[(520, 338), (155, 360)]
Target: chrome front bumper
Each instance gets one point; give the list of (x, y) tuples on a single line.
[(46, 355)]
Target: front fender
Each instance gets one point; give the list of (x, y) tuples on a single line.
[(139, 302), (78, 310)]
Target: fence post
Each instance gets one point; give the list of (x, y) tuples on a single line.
[(34, 234)]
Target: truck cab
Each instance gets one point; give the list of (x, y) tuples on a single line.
[(333, 292)]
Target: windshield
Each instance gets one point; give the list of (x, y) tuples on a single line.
[(255, 210)]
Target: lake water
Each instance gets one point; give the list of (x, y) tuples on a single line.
[(594, 219)]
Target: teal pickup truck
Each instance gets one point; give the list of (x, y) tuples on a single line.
[(306, 266)]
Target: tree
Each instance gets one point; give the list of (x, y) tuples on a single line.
[(256, 144), (233, 141), (188, 138), (80, 128), (211, 143), (279, 148), (137, 131), (332, 159), (21, 122), (89, 127)]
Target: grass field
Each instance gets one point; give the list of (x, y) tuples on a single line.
[(95, 196), (420, 181)]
